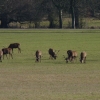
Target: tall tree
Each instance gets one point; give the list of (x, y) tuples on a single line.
[(72, 9), (59, 4), (3, 13), (77, 9)]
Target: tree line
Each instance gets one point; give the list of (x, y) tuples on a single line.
[(34, 11)]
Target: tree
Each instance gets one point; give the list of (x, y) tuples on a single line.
[(3, 13), (50, 13), (59, 4), (19, 10), (35, 10), (72, 9), (93, 7), (9, 12), (77, 10)]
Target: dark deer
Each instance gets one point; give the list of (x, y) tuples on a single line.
[(52, 54), (7, 51), (15, 45)]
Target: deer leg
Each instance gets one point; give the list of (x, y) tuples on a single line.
[(12, 50), (11, 56), (6, 56), (39, 58), (0, 58), (19, 50), (85, 60)]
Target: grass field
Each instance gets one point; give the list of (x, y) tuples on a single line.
[(87, 23), (23, 79)]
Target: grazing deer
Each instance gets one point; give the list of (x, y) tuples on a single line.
[(53, 55), (38, 55), (72, 55), (83, 57)]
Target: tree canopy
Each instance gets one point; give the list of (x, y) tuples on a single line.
[(35, 10)]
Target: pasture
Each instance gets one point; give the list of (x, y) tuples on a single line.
[(23, 79)]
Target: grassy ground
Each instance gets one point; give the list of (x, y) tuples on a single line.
[(23, 79), (87, 23)]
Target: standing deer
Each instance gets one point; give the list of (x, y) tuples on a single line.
[(15, 45), (7, 51)]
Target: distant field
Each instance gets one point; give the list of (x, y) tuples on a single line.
[(87, 23), (23, 79)]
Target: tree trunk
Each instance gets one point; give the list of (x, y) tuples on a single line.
[(72, 4), (51, 21), (60, 18), (57, 5), (4, 21), (37, 24), (76, 18), (51, 25), (73, 19)]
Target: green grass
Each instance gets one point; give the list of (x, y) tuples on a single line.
[(92, 22), (23, 79), (87, 23)]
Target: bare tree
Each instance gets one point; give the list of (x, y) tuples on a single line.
[(59, 4)]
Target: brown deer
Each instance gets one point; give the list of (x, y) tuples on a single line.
[(83, 57), (15, 45), (38, 55), (1, 54), (7, 51), (72, 55)]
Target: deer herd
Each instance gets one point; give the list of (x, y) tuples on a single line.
[(71, 54), (9, 50)]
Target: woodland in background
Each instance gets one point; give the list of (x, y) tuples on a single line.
[(53, 11)]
